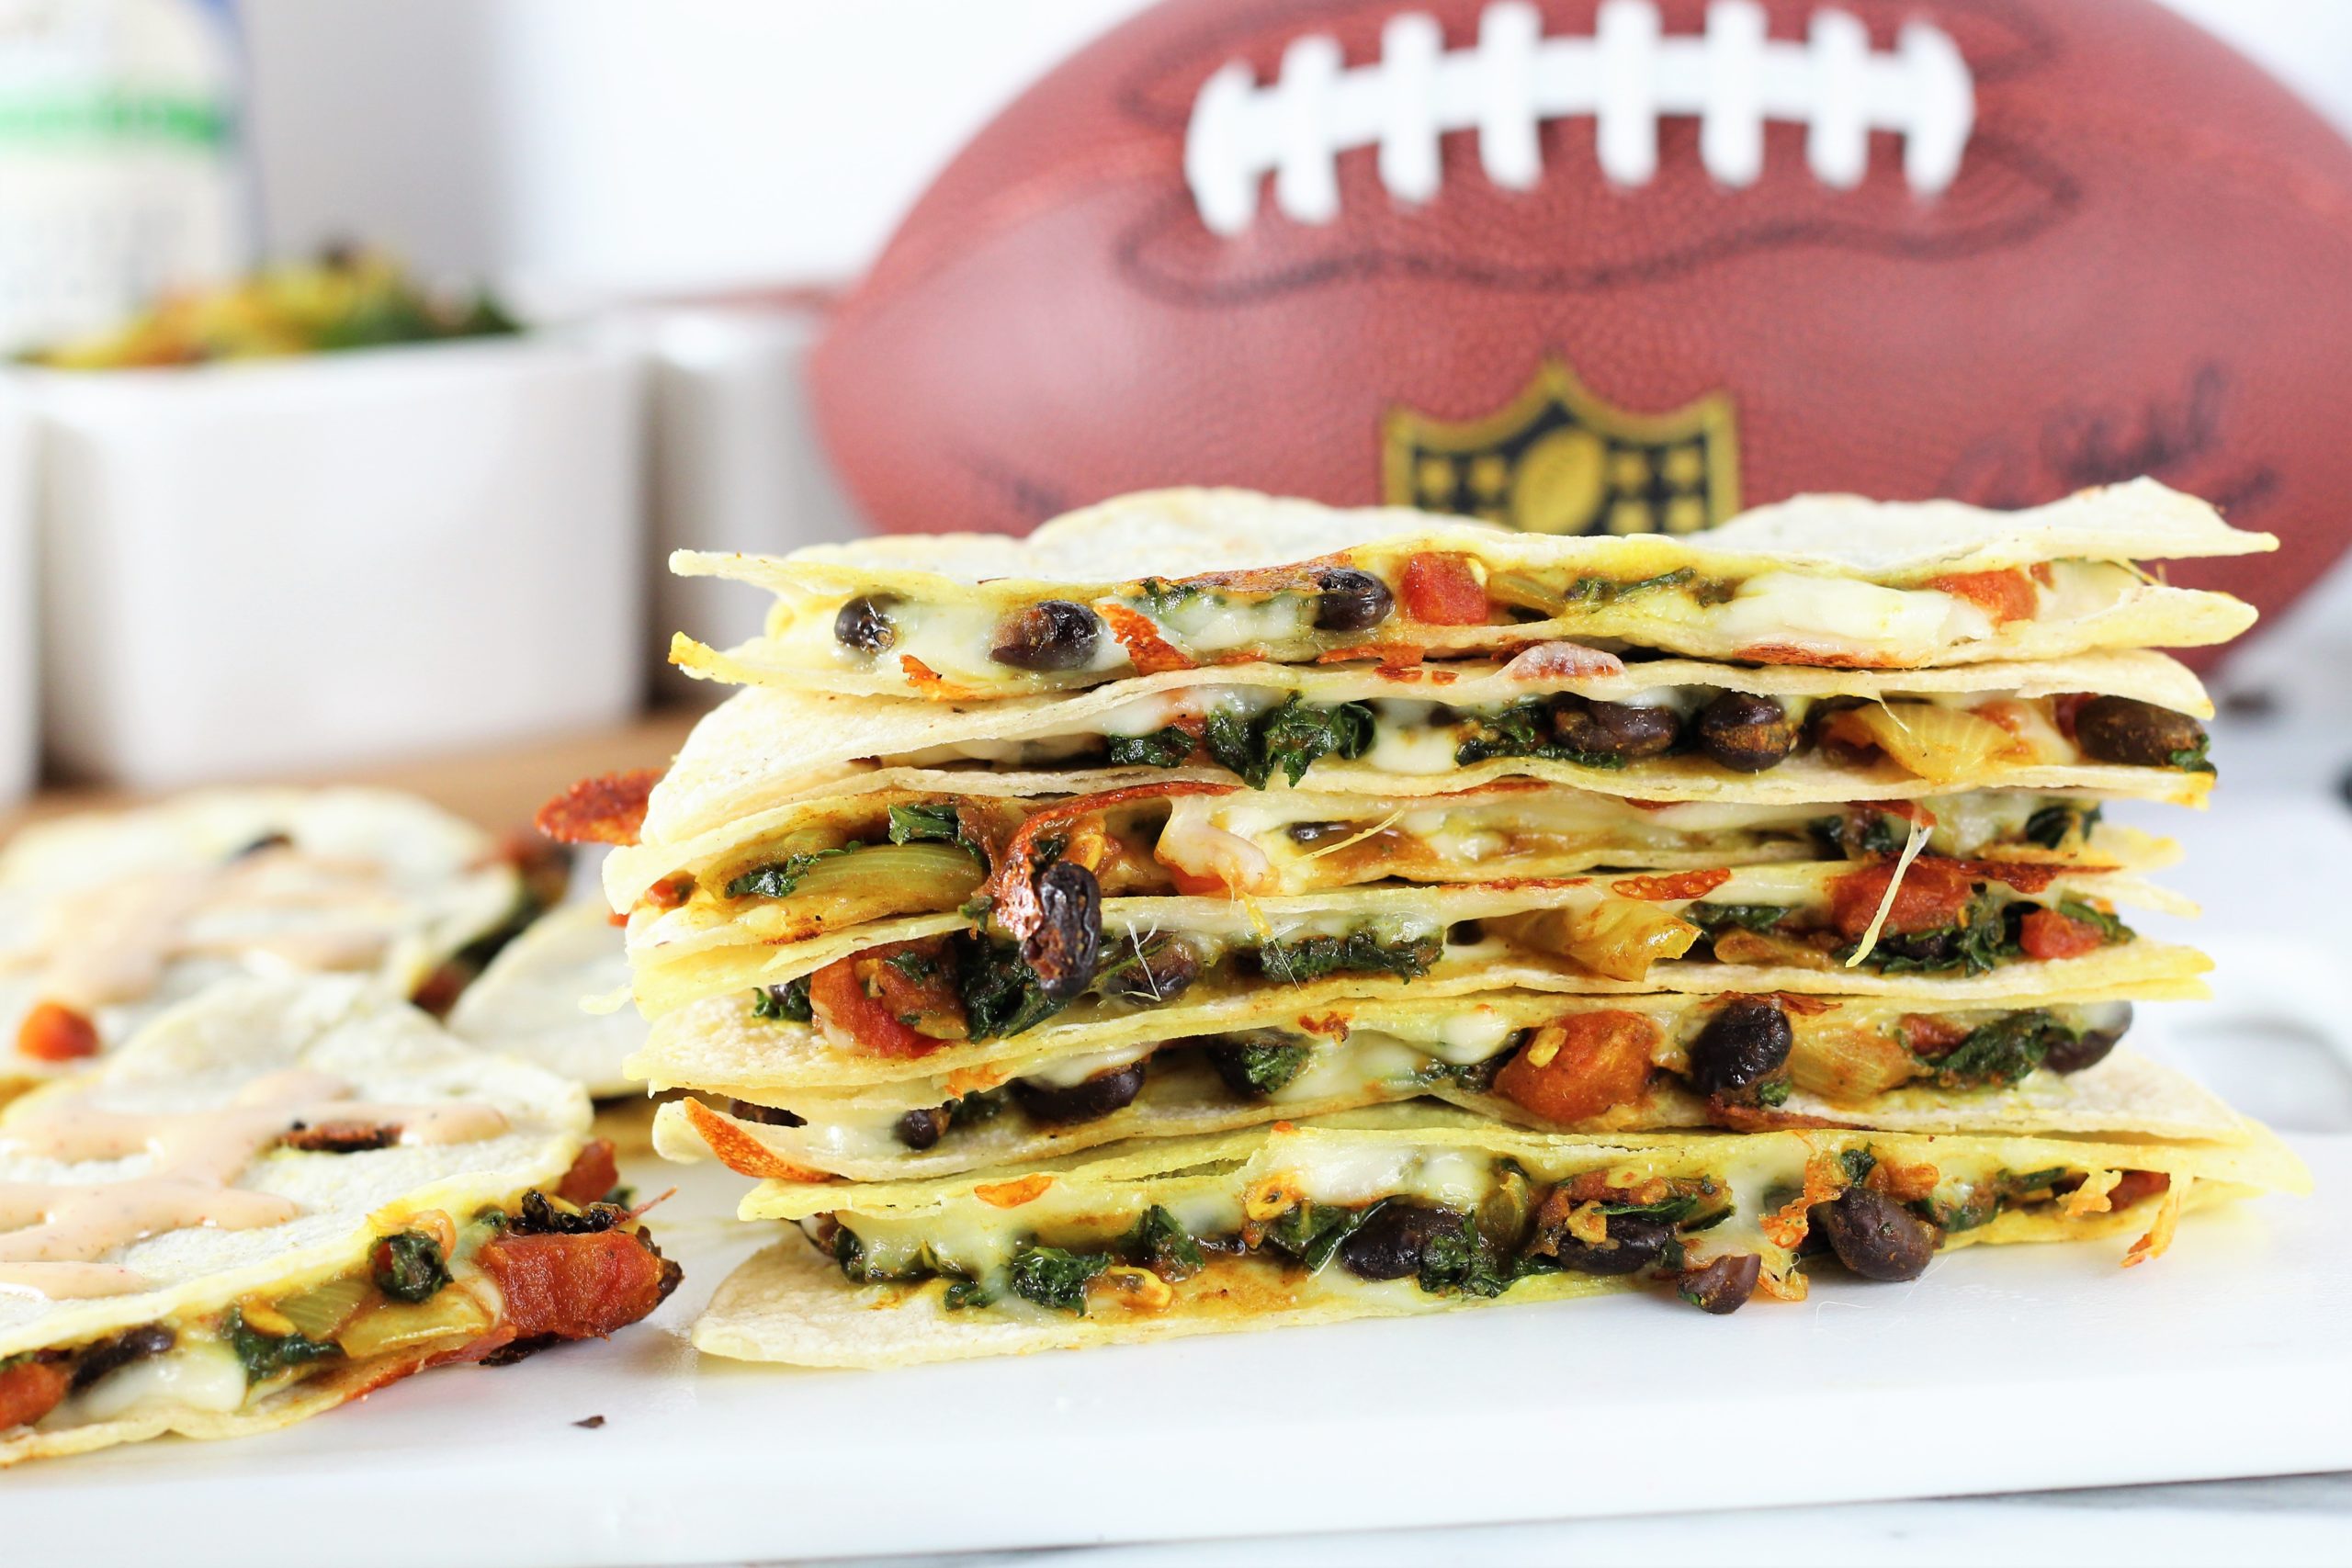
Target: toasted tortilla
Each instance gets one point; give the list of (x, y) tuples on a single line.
[(197, 1058), (529, 1003), (1177, 535), (684, 955), (791, 1303), (372, 881), (783, 741)]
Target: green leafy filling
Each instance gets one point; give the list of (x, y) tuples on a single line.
[(2000, 1053), (1288, 739), (1160, 1242), (1714, 919), (1266, 1068), (777, 879), (265, 1356), (787, 1002), (1358, 953), (1524, 730), (410, 1266), (2052, 826), (1162, 748), (1056, 1279)]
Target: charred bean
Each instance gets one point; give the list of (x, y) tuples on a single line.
[(1745, 1042), (1723, 1285), (1350, 601), (1053, 634), (2091, 1046), (1613, 730), (864, 624), (1745, 732), (1068, 939), (112, 1355), (2136, 734), (766, 1115), (1058, 1104), (919, 1130), (1159, 974), (1875, 1237), (1389, 1243), (1635, 1241)]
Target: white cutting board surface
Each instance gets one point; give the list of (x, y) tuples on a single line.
[(2002, 1369)]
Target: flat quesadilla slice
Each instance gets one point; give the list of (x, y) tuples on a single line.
[(1559, 1063), (107, 919), (281, 1195), (1413, 1209), (997, 968), (529, 1002), (1669, 730), (1178, 578)]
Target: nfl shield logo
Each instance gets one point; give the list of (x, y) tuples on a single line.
[(1556, 460)]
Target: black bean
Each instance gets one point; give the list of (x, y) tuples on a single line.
[(1389, 1243), (1160, 973), (1637, 1241), (1745, 1042), (921, 1129), (766, 1115), (1055, 1104), (1724, 1285), (1068, 939), (1745, 732), (2107, 1025), (2136, 734), (265, 843), (1874, 1236), (1052, 634), (1613, 730), (112, 1355), (864, 624), (1350, 601)]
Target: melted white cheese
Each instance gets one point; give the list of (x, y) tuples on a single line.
[(197, 1374)]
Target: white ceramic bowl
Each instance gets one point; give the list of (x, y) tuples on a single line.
[(295, 565)]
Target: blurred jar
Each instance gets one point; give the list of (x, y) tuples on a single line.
[(121, 175)]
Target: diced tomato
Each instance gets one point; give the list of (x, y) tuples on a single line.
[(593, 1173), (1440, 589), (2046, 934), (671, 891), (1934, 894), (1601, 1059), (2135, 1187), (30, 1390), (2007, 595), (839, 1000), (1930, 1036), (53, 1033), (1192, 882), (574, 1287)]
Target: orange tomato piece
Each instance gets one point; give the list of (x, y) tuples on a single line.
[(1577, 1068), (1440, 588)]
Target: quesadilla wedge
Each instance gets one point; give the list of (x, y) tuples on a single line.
[(279, 1196), (1040, 945), (1559, 1063), (1414, 1209), (2123, 723), (1178, 578), (529, 1002), (107, 919)]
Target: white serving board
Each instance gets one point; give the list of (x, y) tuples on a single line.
[(2002, 1369)]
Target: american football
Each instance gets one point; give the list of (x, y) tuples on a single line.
[(1629, 266)]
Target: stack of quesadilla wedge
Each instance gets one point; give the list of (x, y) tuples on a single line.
[(1215, 911)]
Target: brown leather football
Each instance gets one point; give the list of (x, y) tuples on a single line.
[(1632, 265)]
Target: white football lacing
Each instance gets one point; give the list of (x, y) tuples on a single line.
[(1732, 77)]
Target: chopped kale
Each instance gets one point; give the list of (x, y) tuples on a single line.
[(1160, 596), (410, 1266), (1773, 1093), (1710, 1220), (1002, 996), (788, 1001), (1879, 835), (1358, 953), (1160, 1242), (1289, 740), (1162, 748), (1460, 1261), (1264, 1069), (1858, 1164), (2053, 825), (1052, 1278), (264, 1356), (1524, 730), (2192, 759), (919, 968), (1313, 1232), (1714, 919), (1609, 589), (964, 1294), (1673, 1210), (777, 879), (925, 823), (2000, 1053), (1479, 1078), (2113, 930)]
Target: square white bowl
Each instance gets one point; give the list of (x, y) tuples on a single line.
[(295, 565)]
